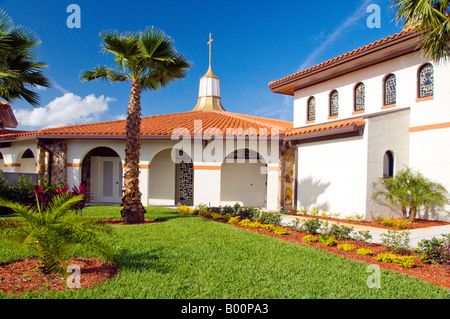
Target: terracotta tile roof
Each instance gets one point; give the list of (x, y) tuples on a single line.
[(167, 124), (366, 47), (358, 122), (7, 118)]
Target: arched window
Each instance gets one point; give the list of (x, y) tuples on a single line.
[(426, 80), (390, 90), (334, 103), (360, 97), (388, 165), (311, 116)]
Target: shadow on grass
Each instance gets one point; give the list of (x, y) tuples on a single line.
[(162, 214), (146, 260)]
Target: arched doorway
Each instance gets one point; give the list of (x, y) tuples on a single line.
[(244, 179), (27, 162), (101, 172), (171, 179)]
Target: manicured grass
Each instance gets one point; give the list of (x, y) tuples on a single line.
[(191, 257)]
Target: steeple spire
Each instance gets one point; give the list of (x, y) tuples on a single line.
[(209, 93)]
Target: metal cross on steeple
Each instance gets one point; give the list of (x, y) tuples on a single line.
[(209, 43)]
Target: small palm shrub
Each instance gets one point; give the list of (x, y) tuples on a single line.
[(53, 230)]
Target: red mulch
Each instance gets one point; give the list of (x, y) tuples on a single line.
[(18, 277), (418, 223), (112, 221)]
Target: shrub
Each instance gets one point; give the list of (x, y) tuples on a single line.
[(216, 216), (254, 225), (310, 238), (19, 193), (269, 218), (362, 235), (226, 217), (295, 224), (401, 224), (233, 220), (405, 261), (53, 231), (364, 251), (279, 230), (346, 247), (245, 222), (396, 241), (385, 257), (435, 250), (311, 226), (268, 227), (340, 232), (388, 222), (327, 240)]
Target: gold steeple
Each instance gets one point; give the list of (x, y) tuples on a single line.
[(209, 93)]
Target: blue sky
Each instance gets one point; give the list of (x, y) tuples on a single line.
[(255, 42)]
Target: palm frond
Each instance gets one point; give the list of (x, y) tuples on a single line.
[(106, 74)]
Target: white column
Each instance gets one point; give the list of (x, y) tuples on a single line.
[(273, 172), (144, 167), (207, 183)]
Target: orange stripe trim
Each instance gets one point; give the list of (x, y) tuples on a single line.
[(73, 164), (429, 127), (12, 164), (144, 165), (273, 168), (218, 168)]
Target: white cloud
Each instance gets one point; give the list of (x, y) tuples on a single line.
[(333, 37), (65, 110)]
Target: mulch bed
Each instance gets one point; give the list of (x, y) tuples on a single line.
[(21, 276), (112, 221), (436, 274), (418, 223)]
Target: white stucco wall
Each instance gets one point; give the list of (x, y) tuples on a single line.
[(386, 132), (161, 189), (405, 69), (332, 175), (430, 155), (243, 183)]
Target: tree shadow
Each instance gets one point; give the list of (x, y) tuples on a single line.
[(166, 214), (309, 190), (145, 260)]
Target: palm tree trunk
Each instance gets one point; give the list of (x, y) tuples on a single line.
[(133, 210)]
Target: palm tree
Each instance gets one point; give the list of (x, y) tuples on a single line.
[(52, 231), (18, 69), (431, 19), (149, 61), (412, 191)]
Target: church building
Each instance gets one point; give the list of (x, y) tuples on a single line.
[(366, 115), (204, 156), (359, 117)]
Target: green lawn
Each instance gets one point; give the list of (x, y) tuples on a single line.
[(191, 257)]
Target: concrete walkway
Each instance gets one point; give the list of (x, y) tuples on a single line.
[(416, 235)]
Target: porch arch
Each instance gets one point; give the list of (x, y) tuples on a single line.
[(101, 172), (170, 179), (244, 179)]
